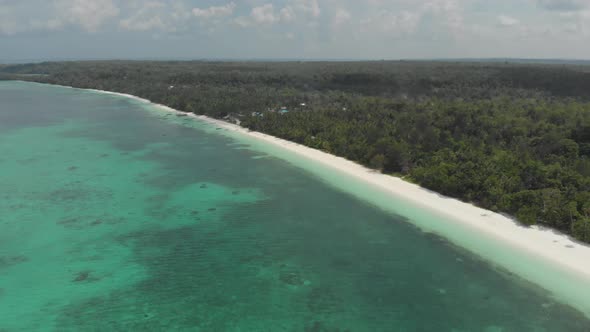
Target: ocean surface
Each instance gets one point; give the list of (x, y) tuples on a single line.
[(118, 216)]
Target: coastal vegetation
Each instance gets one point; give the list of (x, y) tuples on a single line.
[(513, 138)]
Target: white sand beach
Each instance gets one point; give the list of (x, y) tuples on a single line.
[(541, 256)]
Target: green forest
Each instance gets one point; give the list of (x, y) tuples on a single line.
[(510, 137)]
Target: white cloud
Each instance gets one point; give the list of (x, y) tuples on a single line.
[(21, 17), (340, 17), (287, 14), (243, 21), (421, 21), (147, 17), (448, 13), (321, 27), (394, 24), (215, 11), (307, 6), (89, 14), (171, 16), (264, 14), (575, 24), (507, 21)]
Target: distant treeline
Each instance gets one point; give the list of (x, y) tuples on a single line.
[(513, 138)]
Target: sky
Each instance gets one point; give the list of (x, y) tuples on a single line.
[(293, 29)]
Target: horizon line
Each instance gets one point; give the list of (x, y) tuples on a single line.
[(261, 59)]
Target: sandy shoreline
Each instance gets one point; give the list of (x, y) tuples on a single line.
[(565, 251), (567, 260)]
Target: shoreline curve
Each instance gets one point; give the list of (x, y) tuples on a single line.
[(539, 255)]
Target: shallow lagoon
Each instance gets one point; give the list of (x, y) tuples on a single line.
[(114, 216)]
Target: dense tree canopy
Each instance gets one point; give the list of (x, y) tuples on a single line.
[(513, 138)]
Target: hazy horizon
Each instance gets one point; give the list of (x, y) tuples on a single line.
[(498, 59)]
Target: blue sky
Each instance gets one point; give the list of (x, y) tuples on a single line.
[(345, 29)]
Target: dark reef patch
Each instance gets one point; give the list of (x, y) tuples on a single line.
[(8, 261), (28, 161), (75, 192), (82, 276), (291, 277), (96, 222), (85, 276), (82, 222), (68, 194), (18, 206), (69, 222)]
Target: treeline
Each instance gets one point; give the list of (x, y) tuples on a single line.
[(530, 158), (512, 138)]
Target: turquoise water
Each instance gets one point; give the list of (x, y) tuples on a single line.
[(115, 217)]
